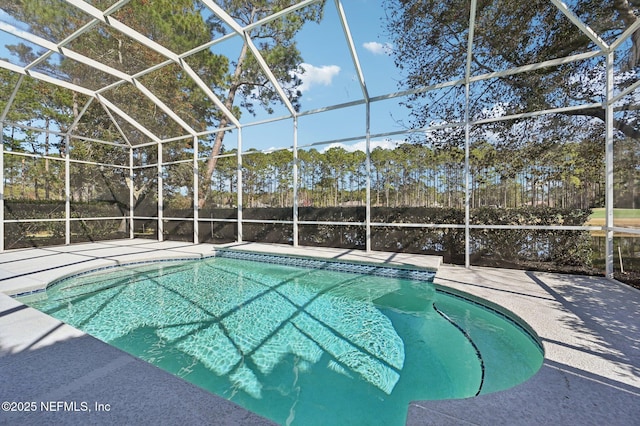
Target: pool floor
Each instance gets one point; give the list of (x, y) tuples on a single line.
[(298, 345)]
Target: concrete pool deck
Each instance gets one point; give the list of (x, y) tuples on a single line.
[(589, 326)]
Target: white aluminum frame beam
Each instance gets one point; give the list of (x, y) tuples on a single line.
[(239, 185), (367, 101), (80, 115), (245, 34), (352, 49), (131, 33), (593, 36), (2, 221), (47, 79), (12, 97), (141, 87), (214, 98), (115, 123), (270, 76), (609, 168), (296, 201), (128, 31), (131, 195), (196, 193), (127, 118), (625, 35), (67, 191), (467, 135), (124, 77)]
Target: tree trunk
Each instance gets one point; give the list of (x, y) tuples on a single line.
[(224, 121)]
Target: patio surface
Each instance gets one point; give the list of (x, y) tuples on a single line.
[(589, 326)]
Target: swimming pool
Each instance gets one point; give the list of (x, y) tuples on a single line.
[(304, 342)]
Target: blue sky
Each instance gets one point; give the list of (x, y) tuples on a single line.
[(329, 78)]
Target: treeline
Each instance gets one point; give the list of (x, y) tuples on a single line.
[(554, 174), (564, 175)]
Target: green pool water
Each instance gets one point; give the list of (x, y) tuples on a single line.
[(299, 346)]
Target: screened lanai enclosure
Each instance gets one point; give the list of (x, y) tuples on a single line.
[(490, 132)]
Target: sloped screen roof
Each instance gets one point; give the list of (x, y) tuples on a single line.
[(143, 71)]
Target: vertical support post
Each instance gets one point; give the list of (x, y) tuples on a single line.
[(196, 193), (367, 152), (365, 94), (67, 191), (3, 116), (160, 195), (609, 195), (131, 197), (467, 182), (1, 186), (295, 182), (467, 136), (239, 185)]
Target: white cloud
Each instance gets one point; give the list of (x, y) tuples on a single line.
[(378, 48), (317, 76), (499, 109)]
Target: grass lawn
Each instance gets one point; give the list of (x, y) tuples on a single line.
[(617, 214), (621, 217)]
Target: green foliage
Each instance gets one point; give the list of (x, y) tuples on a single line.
[(430, 41), (523, 248), (559, 250), (560, 247), (20, 210), (39, 234), (542, 216)]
